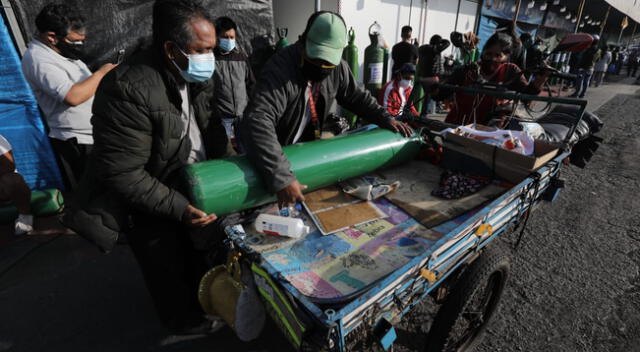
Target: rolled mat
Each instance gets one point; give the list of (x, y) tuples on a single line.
[(43, 203), (228, 185)]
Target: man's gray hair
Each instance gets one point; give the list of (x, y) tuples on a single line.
[(172, 21)]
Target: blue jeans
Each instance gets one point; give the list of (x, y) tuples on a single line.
[(229, 123), (582, 82), (431, 106)]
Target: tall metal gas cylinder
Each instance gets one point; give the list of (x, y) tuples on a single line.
[(385, 64), (350, 55), (282, 34), (373, 61), (417, 94)]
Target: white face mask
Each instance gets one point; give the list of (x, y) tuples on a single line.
[(405, 83)]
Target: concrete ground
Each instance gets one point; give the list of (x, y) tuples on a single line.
[(574, 286)]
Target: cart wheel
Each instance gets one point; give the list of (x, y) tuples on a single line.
[(537, 109), (461, 322)]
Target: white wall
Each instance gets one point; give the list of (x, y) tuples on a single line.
[(293, 14), (392, 15), (441, 18), (438, 18)]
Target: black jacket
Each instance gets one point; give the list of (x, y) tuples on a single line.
[(431, 63), (137, 130), (277, 106), (403, 53), (233, 80), (589, 58)]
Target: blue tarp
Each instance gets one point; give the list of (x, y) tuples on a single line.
[(485, 30), (20, 121), (489, 25)]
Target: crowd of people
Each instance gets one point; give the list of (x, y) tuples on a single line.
[(522, 56), (121, 133), (502, 61)]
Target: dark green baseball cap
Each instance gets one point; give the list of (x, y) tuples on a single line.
[(326, 38)]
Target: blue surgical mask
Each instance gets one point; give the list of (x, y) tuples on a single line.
[(227, 45), (200, 69)]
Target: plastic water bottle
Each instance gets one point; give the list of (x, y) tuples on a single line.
[(281, 226)]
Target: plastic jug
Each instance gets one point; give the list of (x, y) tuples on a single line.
[(281, 226)]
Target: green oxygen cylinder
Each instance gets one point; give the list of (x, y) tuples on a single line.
[(350, 55), (224, 186), (282, 34), (43, 203), (385, 65), (373, 61), (417, 94), (474, 55)]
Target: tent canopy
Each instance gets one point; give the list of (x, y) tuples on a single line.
[(630, 8)]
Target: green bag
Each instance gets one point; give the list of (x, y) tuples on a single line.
[(43, 203)]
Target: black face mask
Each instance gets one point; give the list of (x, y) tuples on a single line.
[(315, 73), (69, 50)]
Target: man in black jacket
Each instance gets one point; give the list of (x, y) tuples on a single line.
[(151, 117), (292, 97), (431, 63), (586, 66), (404, 51)]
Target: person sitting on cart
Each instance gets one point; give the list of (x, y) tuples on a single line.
[(494, 68), (394, 95), (292, 100)]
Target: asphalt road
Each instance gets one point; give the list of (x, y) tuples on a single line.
[(574, 286), (575, 283)]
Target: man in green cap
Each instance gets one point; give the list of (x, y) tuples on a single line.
[(293, 98)]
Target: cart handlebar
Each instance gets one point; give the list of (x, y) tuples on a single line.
[(500, 91)]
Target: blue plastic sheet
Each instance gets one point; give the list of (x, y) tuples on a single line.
[(485, 30), (489, 25), (20, 121)]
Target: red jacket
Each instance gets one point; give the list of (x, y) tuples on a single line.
[(394, 98)]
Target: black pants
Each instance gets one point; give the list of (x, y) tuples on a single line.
[(632, 69), (172, 268), (72, 158)]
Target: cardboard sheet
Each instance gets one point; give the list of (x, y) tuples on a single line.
[(327, 198), (418, 179), (349, 215), (333, 210)]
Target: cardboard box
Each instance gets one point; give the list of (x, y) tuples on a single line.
[(511, 166)]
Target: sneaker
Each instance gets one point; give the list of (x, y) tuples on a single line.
[(217, 323), (23, 224), (207, 325)]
